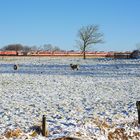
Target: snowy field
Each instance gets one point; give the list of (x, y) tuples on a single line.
[(96, 102)]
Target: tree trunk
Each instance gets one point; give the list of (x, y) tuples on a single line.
[(84, 55), (16, 53), (84, 52)]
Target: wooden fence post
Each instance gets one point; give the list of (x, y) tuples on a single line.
[(138, 108), (44, 125)]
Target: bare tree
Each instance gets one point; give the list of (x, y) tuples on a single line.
[(50, 47), (34, 48), (47, 47), (88, 35), (56, 48), (17, 47), (13, 47)]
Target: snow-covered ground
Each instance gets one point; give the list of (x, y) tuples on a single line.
[(89, 103)]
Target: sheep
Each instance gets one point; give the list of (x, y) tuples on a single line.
[(15, 67), (74, 66)]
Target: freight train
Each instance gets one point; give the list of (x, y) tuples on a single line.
[(67, 54)]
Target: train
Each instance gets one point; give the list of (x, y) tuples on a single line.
[(67, 54)]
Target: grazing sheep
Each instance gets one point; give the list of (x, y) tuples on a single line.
[(15, 67), (74, 66)]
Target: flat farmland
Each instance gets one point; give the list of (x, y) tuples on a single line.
[(96, 101)]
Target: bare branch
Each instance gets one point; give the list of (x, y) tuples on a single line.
[(89, 35)]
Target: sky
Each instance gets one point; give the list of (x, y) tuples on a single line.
[(56, 22)]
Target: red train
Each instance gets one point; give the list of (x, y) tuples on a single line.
[(8, 53), (56, 53)]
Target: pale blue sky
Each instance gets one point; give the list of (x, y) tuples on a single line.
[(38, 22)]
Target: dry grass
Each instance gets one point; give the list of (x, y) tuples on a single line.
[(13, 133), (111, 131), (121, 134), (114, 133)]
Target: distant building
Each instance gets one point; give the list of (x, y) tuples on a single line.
[(122, 55), (135, 54)]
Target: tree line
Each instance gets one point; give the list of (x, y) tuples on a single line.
[(25, 48)]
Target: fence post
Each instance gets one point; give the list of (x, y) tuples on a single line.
[(44, 125), (138, 108)]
